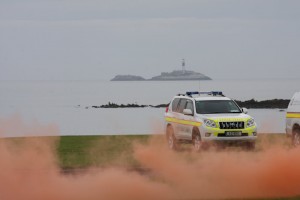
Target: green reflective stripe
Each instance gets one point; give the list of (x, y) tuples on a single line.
[(292, 115), (181, 121)]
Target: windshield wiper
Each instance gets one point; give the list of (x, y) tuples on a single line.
[(215, 112), (219, 112)]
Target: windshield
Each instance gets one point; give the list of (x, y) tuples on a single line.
[(217, 106)]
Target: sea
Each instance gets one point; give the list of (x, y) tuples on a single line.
[(68, 104)]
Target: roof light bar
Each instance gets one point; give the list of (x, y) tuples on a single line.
[(191, 93), (213, 93)]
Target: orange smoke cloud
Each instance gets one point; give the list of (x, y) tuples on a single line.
[(16, 127), (272, 172), (29, 170)]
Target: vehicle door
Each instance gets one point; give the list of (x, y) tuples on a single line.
[(180, 122), (175, 116), (188, 120)]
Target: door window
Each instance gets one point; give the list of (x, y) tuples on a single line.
[(189, 105), (182, 105)]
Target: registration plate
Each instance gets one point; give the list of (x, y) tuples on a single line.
[(233, 133)]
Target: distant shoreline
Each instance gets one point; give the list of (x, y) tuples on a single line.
[(265, 104)]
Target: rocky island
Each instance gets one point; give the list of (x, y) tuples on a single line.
[(176, 75), (180, 75), (127, 78)]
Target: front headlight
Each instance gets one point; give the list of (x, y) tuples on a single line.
[(210, 123), (250, 122)]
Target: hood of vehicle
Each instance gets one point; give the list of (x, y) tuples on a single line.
[(226, 117)]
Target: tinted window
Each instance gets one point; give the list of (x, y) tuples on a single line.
[(175, 104), (217, 106), (182, 105)]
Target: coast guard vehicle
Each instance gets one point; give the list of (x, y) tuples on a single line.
[(203, 117), (293, 119)]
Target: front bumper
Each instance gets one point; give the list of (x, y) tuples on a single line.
[(217, 134)]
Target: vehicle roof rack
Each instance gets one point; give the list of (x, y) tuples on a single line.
[(212, 93)]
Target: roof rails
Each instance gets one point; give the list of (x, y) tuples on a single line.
[(212, 93)]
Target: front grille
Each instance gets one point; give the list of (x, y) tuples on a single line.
[(231, 125), (224, 135)]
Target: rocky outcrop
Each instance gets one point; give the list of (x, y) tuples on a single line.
[(274, 103), (180, 75), (177, 75), (127, 78)]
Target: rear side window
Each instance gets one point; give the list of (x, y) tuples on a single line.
[(175, 104)]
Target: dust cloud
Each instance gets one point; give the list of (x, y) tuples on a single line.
[(29, 170)]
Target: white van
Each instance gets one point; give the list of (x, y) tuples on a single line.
[(293, 119)]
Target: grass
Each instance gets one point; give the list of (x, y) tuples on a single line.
[(85, 151), (117, 150)]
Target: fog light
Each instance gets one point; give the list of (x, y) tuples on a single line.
[(207, 134), (254, 133)]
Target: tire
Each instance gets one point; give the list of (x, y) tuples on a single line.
[(172, 142), (296, 137), (197, 143)]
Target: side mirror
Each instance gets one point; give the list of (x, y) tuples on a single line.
[(245, 110), (187, 112)]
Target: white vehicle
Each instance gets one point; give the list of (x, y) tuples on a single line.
[(293, 119), (201, 117)]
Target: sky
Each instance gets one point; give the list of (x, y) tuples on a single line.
[(96, 40)]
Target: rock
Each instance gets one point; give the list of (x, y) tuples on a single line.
[(180, 75), (127, 78)]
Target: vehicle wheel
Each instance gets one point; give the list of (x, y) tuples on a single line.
[(197, 143), (296, 137), (172, 142)]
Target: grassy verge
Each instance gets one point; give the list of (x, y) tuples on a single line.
[(117, 150), (84, 151)]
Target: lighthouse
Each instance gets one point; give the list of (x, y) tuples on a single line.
[(183, 66)]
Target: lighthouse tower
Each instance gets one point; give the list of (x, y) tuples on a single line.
[(183, 66)]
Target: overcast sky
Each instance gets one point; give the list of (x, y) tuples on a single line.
[(96, 40)]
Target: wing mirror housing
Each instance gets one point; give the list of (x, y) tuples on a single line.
[(245, 110), (187, 112)]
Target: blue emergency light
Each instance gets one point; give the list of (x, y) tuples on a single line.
[(191, 93), (213, 93)]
